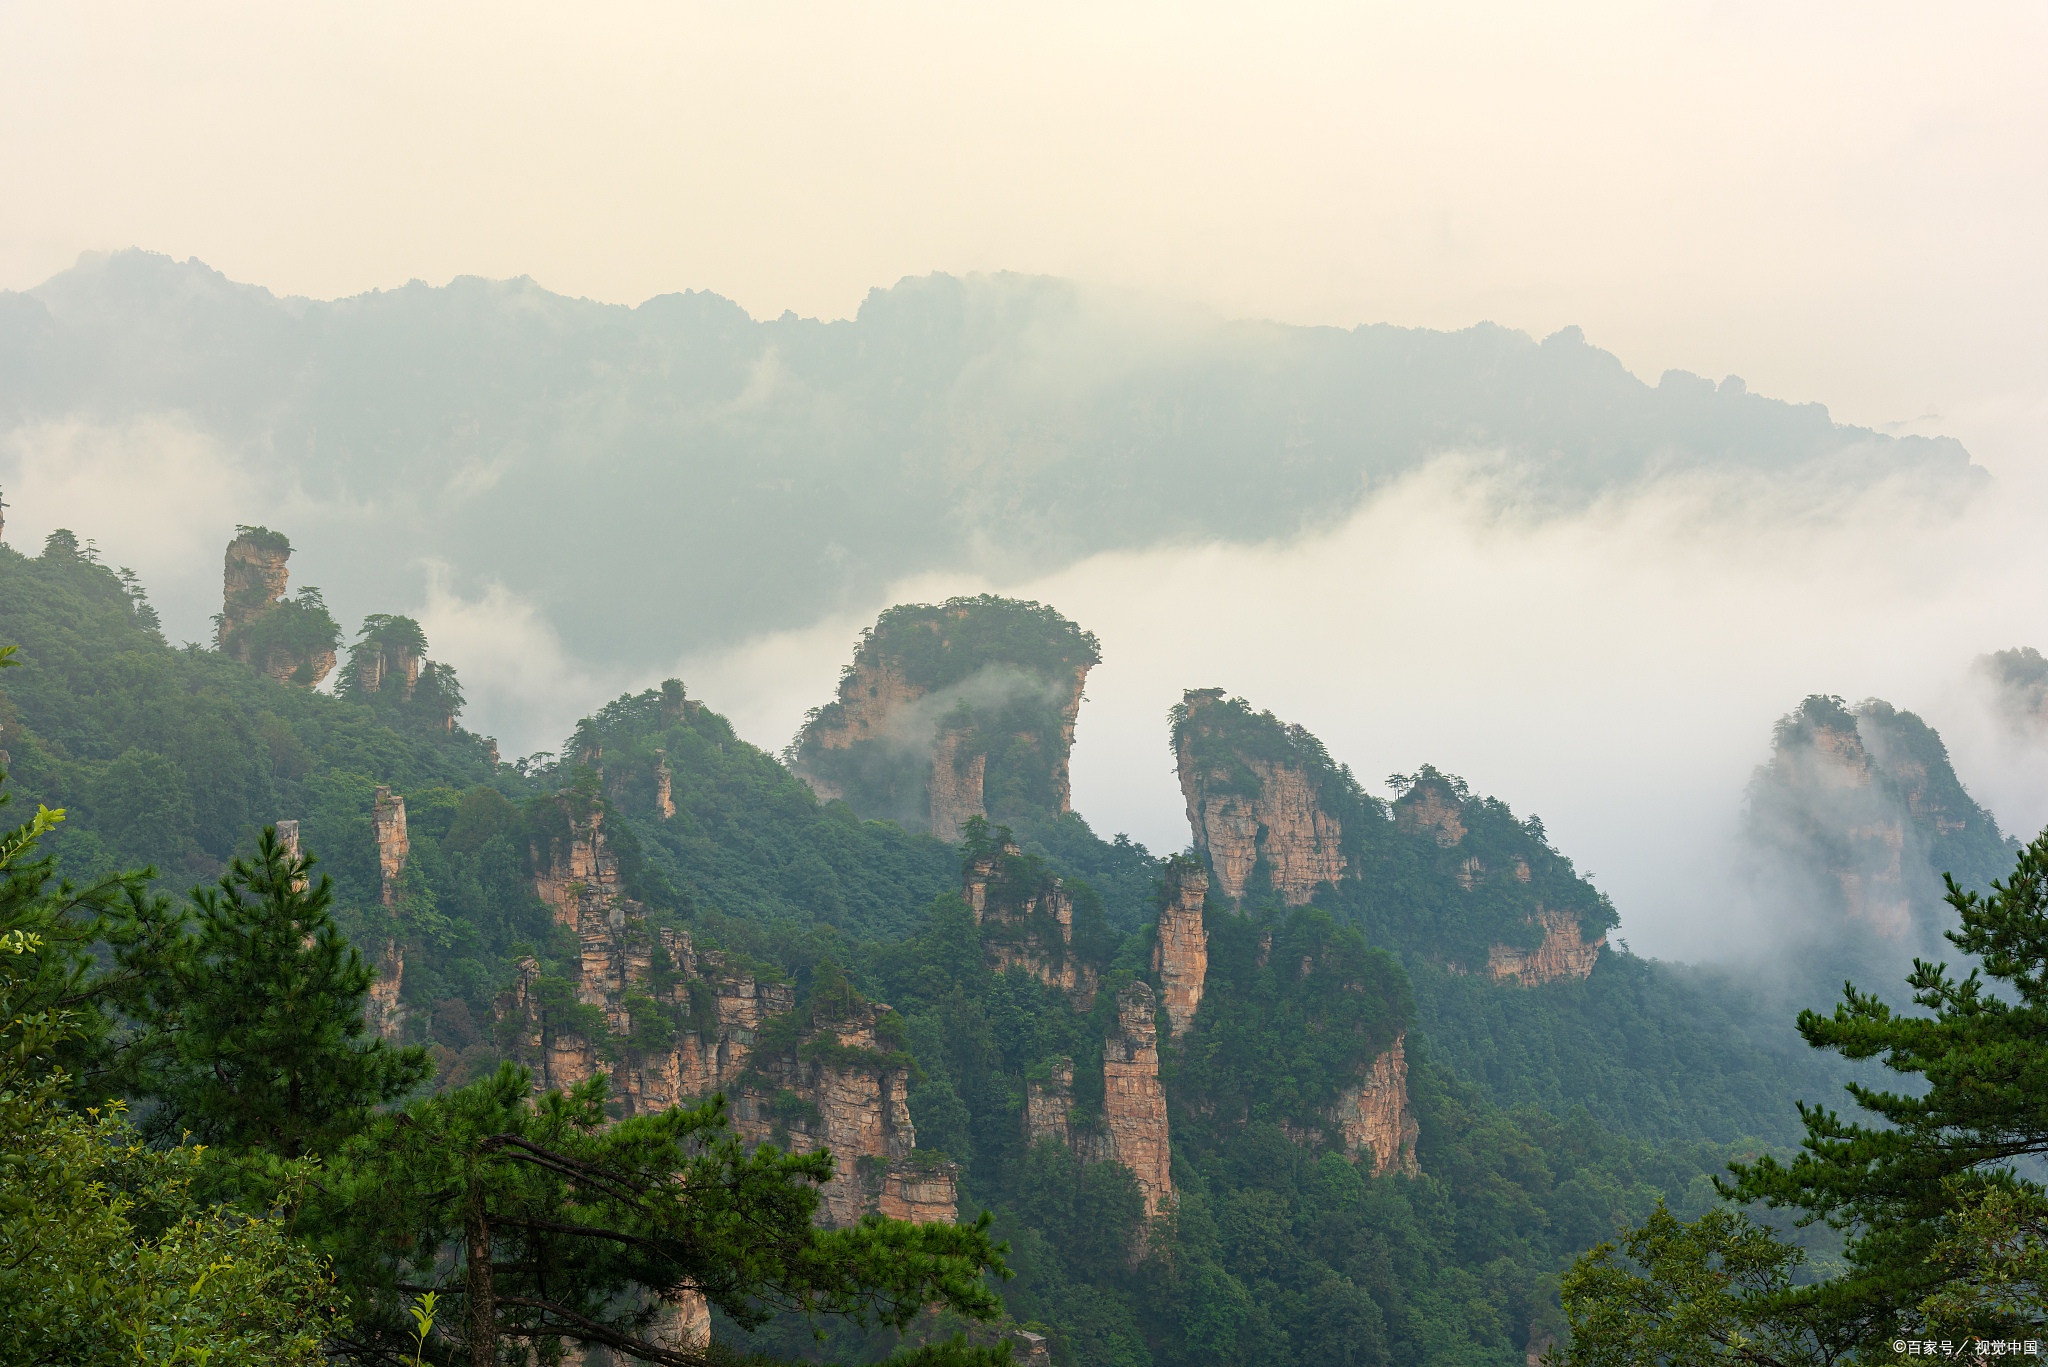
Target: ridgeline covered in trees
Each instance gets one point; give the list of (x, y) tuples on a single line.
[(1351, 1081)]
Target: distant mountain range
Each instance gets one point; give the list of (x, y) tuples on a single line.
[(748, 475)]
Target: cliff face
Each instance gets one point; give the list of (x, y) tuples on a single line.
[(387, 820), (1432, 807), (1564, 953), (1372, 1118), (1246, 809), (1133, 1107), (836, 1085), (1180, 953), (1826, 803), (1048, 1104), (1028, 922), (959, 777), (1133, 1130), (944, 706)]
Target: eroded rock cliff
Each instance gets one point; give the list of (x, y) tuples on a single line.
[(290, 640), (394, 848), (1564, 953), (1253, 798), (1435, 807), (1180, 951), (950, 712), (671, 1024), (1825, 802), (1134, 1128), (1373, 1119), (1027, 921)]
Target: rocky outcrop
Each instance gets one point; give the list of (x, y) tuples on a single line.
[(253, 580), (1432, 806), (394, 848), (1249, 810), (1374, 1116), (835, 1085), (937, 701), (2017, 681), (1049, 1104), (1564, 953), (288, 841), (1180, 952), (1027, 921), (1134, 1131)]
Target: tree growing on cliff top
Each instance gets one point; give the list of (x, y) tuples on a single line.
[(565, 1228)]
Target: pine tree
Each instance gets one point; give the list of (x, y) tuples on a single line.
[(539, 1222), (256, 1034)]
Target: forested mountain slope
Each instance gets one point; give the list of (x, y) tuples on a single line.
[(1356, 1080)]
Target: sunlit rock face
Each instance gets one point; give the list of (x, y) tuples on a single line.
[(1373, 1120), (1250, 804), (394, 848), (1180, 953), (1134, 1129), (950, 712)]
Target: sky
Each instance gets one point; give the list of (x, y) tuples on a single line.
[(1838, 202), (1842, 204)]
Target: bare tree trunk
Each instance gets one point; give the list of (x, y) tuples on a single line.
[(483, 1301)]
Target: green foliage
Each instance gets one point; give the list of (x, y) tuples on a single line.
[(264, 539), (254, 1035), (565, 1227), (107, 1258), (1694, 1294), (1293, 1010), (748, 839), (1995, 1260), (1899, 1185), (290, 629), (944, 644), (178, 758)]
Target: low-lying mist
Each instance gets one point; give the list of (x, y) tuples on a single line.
[(1618, 671), (1615, 668)]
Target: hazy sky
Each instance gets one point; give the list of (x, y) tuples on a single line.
[(1843, 203)]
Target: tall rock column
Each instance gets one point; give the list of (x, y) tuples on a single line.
[(1133, 1106), (1180, 954), (253, 579), (1374, 1116), (382, 1010)]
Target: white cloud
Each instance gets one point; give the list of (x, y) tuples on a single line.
[(1617, 671)]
